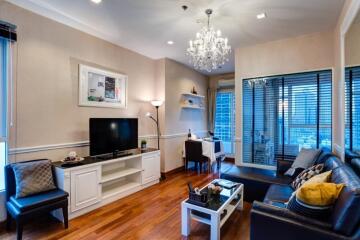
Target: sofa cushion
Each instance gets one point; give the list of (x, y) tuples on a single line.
[(278, 195), (306, 175), (317, 212), (346, 213), (332, 163), (304, 160), (38, 200), (256, 181), (33, 177)]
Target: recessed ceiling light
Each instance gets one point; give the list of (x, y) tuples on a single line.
[(261, 16), (170, 42), (96, 1)]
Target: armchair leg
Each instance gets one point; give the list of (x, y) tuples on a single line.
[(19, 230), (66, 218)]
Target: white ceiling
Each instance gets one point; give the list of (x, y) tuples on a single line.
[(145, 26)]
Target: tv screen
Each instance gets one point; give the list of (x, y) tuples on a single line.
[(108, 135)]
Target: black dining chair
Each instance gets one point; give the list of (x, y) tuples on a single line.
[(193, 153), (27, 208)]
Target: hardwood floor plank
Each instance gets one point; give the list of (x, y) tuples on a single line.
[(153, 213)]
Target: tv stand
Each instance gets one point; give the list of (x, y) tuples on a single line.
[(96, 182)]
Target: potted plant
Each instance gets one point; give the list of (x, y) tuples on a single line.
[(143, 144)]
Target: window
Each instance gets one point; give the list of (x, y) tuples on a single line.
[(352, 108), (225, 119), (3, 108), (283, 114)]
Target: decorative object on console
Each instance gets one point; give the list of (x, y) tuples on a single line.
[(156, 104), (72, 158), (102, 88), (209, 50), (193, 90), (143, 144)]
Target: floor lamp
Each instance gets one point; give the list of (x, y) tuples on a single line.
[(156, 104)]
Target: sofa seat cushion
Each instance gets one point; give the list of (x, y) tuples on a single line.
[(38, 200), (256, 181), (257, 174), (278, 195)]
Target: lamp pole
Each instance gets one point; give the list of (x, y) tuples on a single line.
[(157, 125)]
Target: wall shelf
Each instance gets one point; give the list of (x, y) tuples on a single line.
[(192, 101), (191, 95)]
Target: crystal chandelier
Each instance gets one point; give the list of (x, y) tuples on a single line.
[(209, 50)]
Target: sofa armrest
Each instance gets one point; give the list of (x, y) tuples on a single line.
[(281, 223), (282, 166)]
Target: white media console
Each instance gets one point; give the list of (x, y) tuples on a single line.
[(99, 182)]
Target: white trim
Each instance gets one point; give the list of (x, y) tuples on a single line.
[(257, 166), (349, 17), (85, 143)]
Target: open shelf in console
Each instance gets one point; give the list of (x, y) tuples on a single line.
[(118, 186), (120, 169)]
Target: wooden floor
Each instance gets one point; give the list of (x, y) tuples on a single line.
[(153, 213)]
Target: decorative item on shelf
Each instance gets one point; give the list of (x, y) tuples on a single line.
[(156, 104), (143, 144), (209, 51), (193, 91), (189, 135), (214, 190), (72, 158)]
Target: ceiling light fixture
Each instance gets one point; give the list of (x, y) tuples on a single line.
[(261, 16), (170, 42), (96, 1), (209, 50)]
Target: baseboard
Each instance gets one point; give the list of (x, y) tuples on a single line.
[(165, 175)]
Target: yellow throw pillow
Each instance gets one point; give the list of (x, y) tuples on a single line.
[(319, 194), (320, 178)]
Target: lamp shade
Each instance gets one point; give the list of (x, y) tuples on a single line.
[(156, 103)]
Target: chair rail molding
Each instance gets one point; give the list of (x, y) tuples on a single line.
[(86, 143)]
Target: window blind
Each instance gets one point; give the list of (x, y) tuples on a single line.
[(352, 108), (285, 114)]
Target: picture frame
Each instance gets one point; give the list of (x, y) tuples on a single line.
[(102, 88)]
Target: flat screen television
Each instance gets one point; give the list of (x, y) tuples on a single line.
[(110, 135)]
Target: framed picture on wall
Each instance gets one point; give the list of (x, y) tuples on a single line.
[(102, 88)]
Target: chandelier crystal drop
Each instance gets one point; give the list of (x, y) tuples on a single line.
[(209, 50)]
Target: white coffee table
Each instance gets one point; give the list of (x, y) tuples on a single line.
[(230, 199)]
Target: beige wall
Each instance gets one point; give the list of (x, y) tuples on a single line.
[(299, 54), (48, 55), (352, 45), (180, 79)]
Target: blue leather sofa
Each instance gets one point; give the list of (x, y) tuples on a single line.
[(269, 191), (28, 208)]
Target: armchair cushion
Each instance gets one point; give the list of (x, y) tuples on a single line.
[(33, 177), (37, 200), (278, 195)]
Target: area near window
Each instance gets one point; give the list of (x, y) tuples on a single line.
[(352, 108), (3, 107), (283, 114), (225, 119)]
